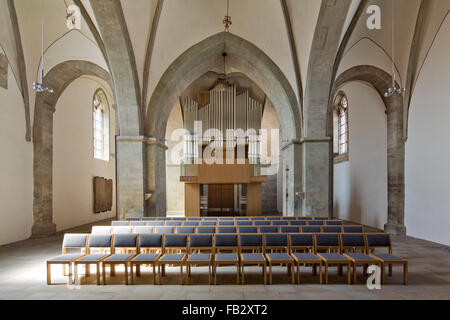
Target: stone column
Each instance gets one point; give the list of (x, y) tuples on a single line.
[(155, 178), (292, 159), (43, 225), (396, 166), (316, 176), (130, 176)]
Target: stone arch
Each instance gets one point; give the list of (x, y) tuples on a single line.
[(380, 80), (58, 78), (244, 57)]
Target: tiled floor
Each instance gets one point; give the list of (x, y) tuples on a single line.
[(23, 276)]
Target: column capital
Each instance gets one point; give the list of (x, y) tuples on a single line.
[(142, 139)]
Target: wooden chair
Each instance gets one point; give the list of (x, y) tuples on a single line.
[(311, 229), (302, 249), (191, 223), (254, 244), (226, 242), (276, 251), (198, 244), (185, 230), (175, 254), (173, 223), (227, 229), (354, 248), (297, 223), (321, 218), (164, 230), (71, 241), (289, 229), (269, 229), (207, 230), (261, 223), (96, 241), (122, 242), (352, 229), (330, 242), (383, 240), (208, 223), (280, 222), (316, 222), (331, 229), (244, 223), (248, 229), (150, 248), (226, 223)]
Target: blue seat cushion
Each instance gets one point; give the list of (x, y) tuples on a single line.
[(305, 256), (93, 257), (150, 257), (253, 257), (226, 257), (118, 257), (333, 256), (172, 257), (279, 256), (387, 256), (360, 256), (199, 257), (65, 258)]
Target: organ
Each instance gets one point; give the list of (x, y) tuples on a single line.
[(222, 146)]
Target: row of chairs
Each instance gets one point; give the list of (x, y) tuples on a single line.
[(277, 222), (225, 229), (253, 218), (183, 250)]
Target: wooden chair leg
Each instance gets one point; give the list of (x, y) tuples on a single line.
[(181, 274), (49, 274), (320, 273), (104, 273), (383, 273), (154, 274), (326, 273), (75, 273), (298, 273), (405, 273), (159, 274), (215, 274), (70, 269), (243, 275), (390, 270), (265, 273), (291, 268), (132, 274), (87, 268), (354, 273), (138, 270), (237, 274), (98, 274), (209, 274), (349, 279), (113, 270), (270, 272), (64, 270), (126, 274)]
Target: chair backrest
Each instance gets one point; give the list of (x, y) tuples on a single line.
[(208, 223), (289, 229), (100, 241), (276, 241), (226, 229), (200, 242), (226, 241), (353, 241), (226, 218), (143, 229), (311, 229), (120, 223), (250, 242), (248, 229), (125, 241), (378, 240), (320, 218), (164, 230), (353, 229), (122, 230), (262, 223), (173, 223), (297, 223), (190, 223), (150, 241), (328, 241), (164, 218), (272, 218), (332, 229), (147, 218), (206, 230), (304, 218), (194, 219), (301, 241), (155, 223), (280, 222), (333, 222), (316, 223), (257, 218), (268, 229), (179, 218), (242, 218), (289, 218), (226, 223), (185, 230), (175, 241), (210, 218), (101, 230), (244, 223), (134, 219), (74, 241), (138, 223)]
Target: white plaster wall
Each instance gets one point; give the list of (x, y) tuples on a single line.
[(360, 184), (427, 171), (175, 188), (16, 162), (74, 165)]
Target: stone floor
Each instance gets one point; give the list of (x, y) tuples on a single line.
[(23, 276)]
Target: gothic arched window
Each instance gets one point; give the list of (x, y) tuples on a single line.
[(340, 125), (100, 119)]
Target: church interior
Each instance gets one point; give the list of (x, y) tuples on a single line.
[(224, 149)]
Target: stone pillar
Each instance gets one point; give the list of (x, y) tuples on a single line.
[(43, 225), (396, 166), (292, 159), (155, 178), (130, 176), (316, 176)]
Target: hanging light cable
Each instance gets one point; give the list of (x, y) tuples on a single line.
[(227, 20), (39, 85), (394, 88)]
